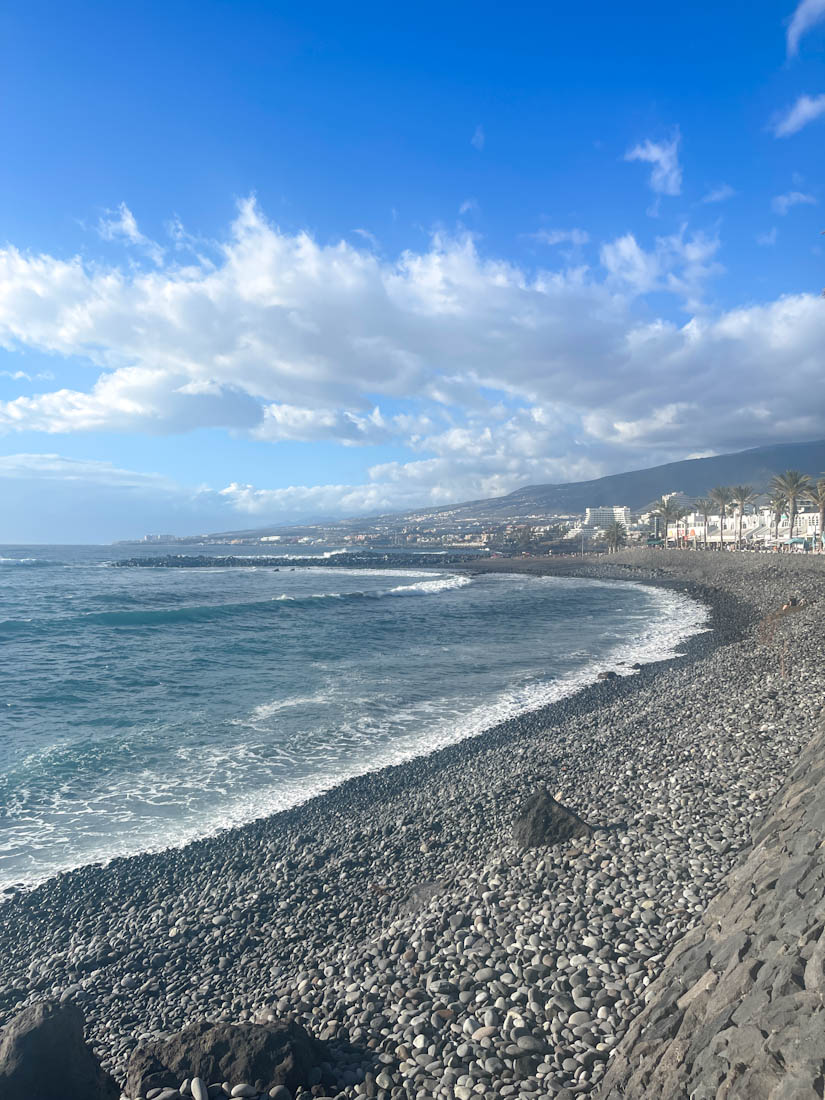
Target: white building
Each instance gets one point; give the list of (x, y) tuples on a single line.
[(758, 528), (604, 516)]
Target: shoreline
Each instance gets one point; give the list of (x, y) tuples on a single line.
[(724, 621), (318, 895)]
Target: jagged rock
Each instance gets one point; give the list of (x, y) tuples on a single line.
[(543, 821), (43, 1054), (264, 1055), (609, 675)]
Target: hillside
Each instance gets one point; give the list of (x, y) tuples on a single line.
[(635, 488)]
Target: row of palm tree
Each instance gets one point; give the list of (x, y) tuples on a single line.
[(788, 491)]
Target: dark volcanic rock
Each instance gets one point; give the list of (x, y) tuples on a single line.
[(543, 821), (738, 1010), (42, 1054), (263, 1055)]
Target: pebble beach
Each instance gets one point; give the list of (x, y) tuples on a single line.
[(395, 918)]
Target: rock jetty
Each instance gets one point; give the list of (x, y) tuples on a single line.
[(398, 922)]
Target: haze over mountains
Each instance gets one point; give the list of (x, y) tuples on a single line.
[(634, 488)]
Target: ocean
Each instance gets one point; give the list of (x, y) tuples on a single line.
[(143, 708)]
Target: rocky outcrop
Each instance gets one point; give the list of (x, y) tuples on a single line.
[(260, 1055), (42, 1054), (738, 1010), (543, 821)]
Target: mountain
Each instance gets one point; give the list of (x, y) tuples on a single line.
[(637, 488)]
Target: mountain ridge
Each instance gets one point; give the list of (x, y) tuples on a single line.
[(632, 488)]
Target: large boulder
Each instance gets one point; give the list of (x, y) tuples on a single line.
[(261, 1055), (542, 821), (43, 1055)]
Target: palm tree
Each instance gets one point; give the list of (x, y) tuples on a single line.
[(794, 487), (742, 496), (720, 496), (704, 507), (778, 504), (616, 536), (669, 511), (817, 494)]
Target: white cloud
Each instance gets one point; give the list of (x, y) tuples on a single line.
[(479, 137), (576, 237), (767, 239), (469, 206), (806, 109), (719, 194), (370, 238), (282, 321), (134, 398), (120, 224), (781, 204), (808, 13), (493, 375), (666, 176), (54, 467), (282, 422), (678, 264)]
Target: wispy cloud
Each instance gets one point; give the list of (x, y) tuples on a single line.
[(719, 194), (369, 237), (767, 239), (806, 109), (576, 237), (121, 224), (24, 376), (479, 137), (666, 176), (469, 206), (806, 16), (781, 204), (678, 263)]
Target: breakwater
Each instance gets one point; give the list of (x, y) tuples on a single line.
[(351, 560)]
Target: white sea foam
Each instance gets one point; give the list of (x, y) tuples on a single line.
[(431, 587), (360, 745)]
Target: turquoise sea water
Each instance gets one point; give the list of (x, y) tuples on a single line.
[(141, 708)]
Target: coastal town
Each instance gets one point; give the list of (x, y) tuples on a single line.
[(747, 521)]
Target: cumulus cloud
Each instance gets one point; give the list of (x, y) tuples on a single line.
[(807, 14), (282, 422), (781, 204), (666, 175), (806, 109), (487, 374), (282, 323)]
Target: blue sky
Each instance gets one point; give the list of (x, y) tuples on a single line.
[(262, 262)]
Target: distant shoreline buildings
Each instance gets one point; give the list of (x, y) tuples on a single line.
[(540, 533)]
